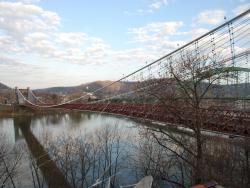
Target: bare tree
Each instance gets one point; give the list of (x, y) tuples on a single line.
[(163, 165), (37, 178), (90, 157), (112, 151), (182, 93)]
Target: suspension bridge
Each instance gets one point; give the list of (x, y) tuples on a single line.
[(209, 74)]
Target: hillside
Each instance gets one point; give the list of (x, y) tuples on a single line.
[(118, 87), (6, 94), (2, 86)]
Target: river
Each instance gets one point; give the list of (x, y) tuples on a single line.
[(77, 149)]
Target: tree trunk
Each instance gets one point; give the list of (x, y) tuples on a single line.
[(199, 160)]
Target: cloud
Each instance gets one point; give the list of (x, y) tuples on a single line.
[(29, 29), (24, 1), (6, 61), (158, 4), (151, 8), (18, 19), (212, 17), (241, 8), (158, 38), (71, 39), (197, 32), (30, 1), (14, 72), (35, 31), (155, 31)]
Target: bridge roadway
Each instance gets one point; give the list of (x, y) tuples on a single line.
[(221, 120)]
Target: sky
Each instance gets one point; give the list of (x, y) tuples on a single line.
[(47, 43)]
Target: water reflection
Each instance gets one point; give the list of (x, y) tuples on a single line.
[(17, 131), (50, 171)]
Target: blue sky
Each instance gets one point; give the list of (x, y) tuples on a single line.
[(48, 43)]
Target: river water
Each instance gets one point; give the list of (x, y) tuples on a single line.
[(76, 149)]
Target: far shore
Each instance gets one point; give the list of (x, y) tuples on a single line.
[(13, 111)]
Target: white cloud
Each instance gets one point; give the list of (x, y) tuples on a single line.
[(30, 1), (211, 17), (241, 8), (158, 38), (28, 29), (24, 1), (155, 31), (35, 31), (158, 4), (197, 32), (15, 73), (19, 19), (151, 8), (71, 39)]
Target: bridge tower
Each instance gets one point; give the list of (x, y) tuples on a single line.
[(25, 95), (30, 96), (20, 96)]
